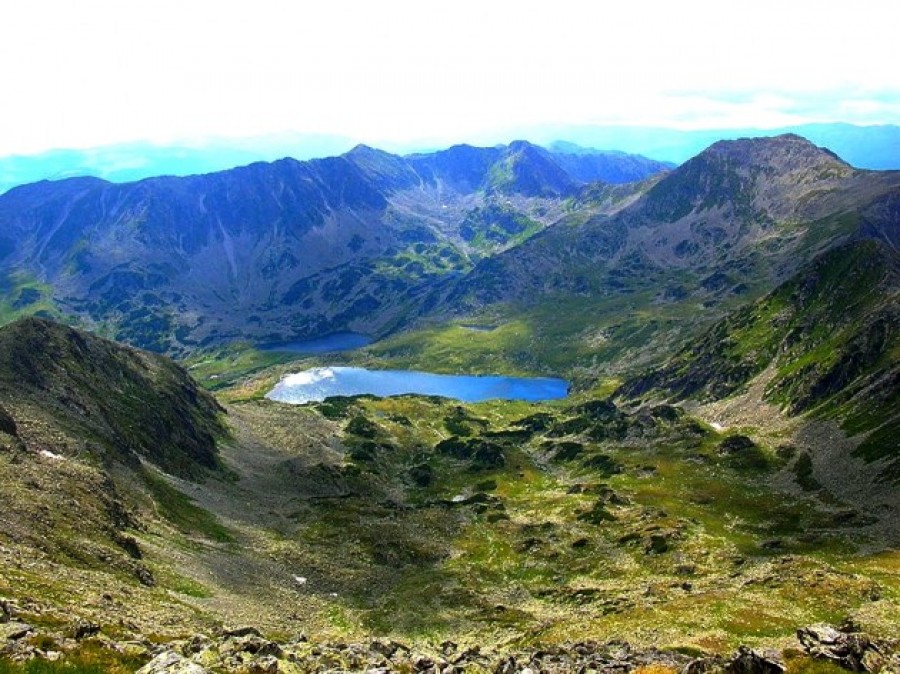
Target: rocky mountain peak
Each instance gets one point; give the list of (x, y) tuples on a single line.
[(785, 153), (750, 178)]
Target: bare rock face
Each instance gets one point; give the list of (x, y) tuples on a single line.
[(748, 661), (851, 650), (170, 662), (7, 610), (12, 631), (745, 661)]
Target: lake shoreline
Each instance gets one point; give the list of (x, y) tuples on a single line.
[(317, 384)]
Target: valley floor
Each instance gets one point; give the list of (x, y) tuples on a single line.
[(502, 525)]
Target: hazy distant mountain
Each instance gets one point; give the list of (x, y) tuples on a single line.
[(618, 167), (134, 161), (871, 147), (583, 151)]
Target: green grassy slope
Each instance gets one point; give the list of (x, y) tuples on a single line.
[(830, 335)]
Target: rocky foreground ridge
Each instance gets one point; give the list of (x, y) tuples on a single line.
[(245, 649)]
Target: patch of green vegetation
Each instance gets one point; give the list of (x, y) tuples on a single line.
[(91, 657), (496, 227), (743, 454), (882, 444), (22, 295), (581, 337), (187, 586), (807, 665), (336, 407), (224, 367), (454, 349), (181, 511)]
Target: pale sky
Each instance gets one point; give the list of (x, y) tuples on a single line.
[(83, 73)]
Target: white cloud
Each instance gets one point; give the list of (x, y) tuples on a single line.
[(89, 72)]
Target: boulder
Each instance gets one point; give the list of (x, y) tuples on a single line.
[(851, 650), (265, 665), (170, 662), (242, 632), (7, 423), (83, 629), (747, 661), (11, 631), (506, 666), (387, 649), (252, 644), (7, 610)]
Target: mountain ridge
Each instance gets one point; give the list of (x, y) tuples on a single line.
[(305, 247), (132, 404), (369, 241), (745, 194), (865, 146)]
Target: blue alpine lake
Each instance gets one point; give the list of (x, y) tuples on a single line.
[(338, 341), (319, 383)]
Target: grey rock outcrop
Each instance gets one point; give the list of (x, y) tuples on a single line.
[(851, 650), (170, 662)]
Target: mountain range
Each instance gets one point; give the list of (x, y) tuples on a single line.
[(872, 147), (723, 473), (276, 251)]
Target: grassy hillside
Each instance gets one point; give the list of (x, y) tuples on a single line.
[(106, 400), (828, 334)]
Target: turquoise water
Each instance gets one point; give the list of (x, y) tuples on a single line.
[(322, 382), (338, 341)]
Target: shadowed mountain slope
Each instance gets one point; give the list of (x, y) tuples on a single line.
[(828, 336), (80, 395), (87, 429)]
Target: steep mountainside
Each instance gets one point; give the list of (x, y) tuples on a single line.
[(828, 336), (86, 426), (269, 251), (746, 209), (727, 225), (91, 397)]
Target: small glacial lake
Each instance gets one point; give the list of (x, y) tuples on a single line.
[(338, 341), (319, 383)]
